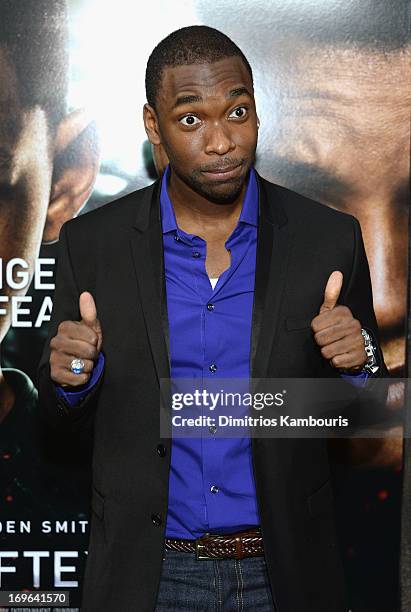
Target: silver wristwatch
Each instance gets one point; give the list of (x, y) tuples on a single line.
[(371, 366)]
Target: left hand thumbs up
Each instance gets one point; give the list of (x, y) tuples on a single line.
[(336, 331)]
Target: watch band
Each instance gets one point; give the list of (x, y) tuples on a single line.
[(371, 366)]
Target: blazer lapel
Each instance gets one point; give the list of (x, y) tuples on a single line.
[(273, 251), (148, 258)]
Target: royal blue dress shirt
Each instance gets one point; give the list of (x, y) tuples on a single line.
[(211, 485)]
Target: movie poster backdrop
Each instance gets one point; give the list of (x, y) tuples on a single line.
[(332, 96)]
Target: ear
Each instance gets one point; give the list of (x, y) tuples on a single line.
[(151, 125), (75, 168)]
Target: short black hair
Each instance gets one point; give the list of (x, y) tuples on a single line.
[(34, 35), (186, 46)]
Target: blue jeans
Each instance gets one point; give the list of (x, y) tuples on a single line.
[(220, 585)]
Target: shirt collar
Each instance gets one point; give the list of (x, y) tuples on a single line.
[(249, 210)]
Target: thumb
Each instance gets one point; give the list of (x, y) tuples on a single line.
[(332, 291), (88, 310), (88, 313)]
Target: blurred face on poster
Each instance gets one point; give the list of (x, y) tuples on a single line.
[(48, 156), (344, 139)]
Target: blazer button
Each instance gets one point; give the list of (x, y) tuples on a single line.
[(156, 519), (161, 450)]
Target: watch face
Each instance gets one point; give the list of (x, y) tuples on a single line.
[(371, 364)]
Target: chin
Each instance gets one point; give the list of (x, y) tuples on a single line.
[(225, 193)]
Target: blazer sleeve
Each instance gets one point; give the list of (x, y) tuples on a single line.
[(53, 408)]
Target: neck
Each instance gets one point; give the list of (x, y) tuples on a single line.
[(193, 209)]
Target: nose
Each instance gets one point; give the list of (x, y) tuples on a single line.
[(219, 139)]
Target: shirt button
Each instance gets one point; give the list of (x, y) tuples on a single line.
[(214, 489), (196, 254), (212, 429), (213, 368), (177, 238), (156, 519), (210, 306), (161, 450)]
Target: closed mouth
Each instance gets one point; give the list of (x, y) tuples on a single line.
[(224, 171)]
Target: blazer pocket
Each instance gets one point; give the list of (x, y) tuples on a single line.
[(97, 503), (321, 501), (292, 323)]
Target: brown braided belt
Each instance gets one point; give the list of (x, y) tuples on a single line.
[(212, 546)]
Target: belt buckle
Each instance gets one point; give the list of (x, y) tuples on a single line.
[(200, 546)]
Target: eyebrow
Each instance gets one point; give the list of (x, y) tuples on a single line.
[(181, 100), (239, 91), (192, 99)]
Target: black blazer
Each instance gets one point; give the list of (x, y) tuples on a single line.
[(115, 252)]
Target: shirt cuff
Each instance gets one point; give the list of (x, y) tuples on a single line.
[(358, 380), (74, 397)]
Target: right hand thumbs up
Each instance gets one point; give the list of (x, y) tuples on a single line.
[(76, 340), (88, 313)]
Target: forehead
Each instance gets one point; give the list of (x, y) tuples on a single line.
[(204, 80)]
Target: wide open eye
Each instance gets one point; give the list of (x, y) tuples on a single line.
[(239, 113), (189, 120)]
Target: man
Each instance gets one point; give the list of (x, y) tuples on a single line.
[(212, 271)]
